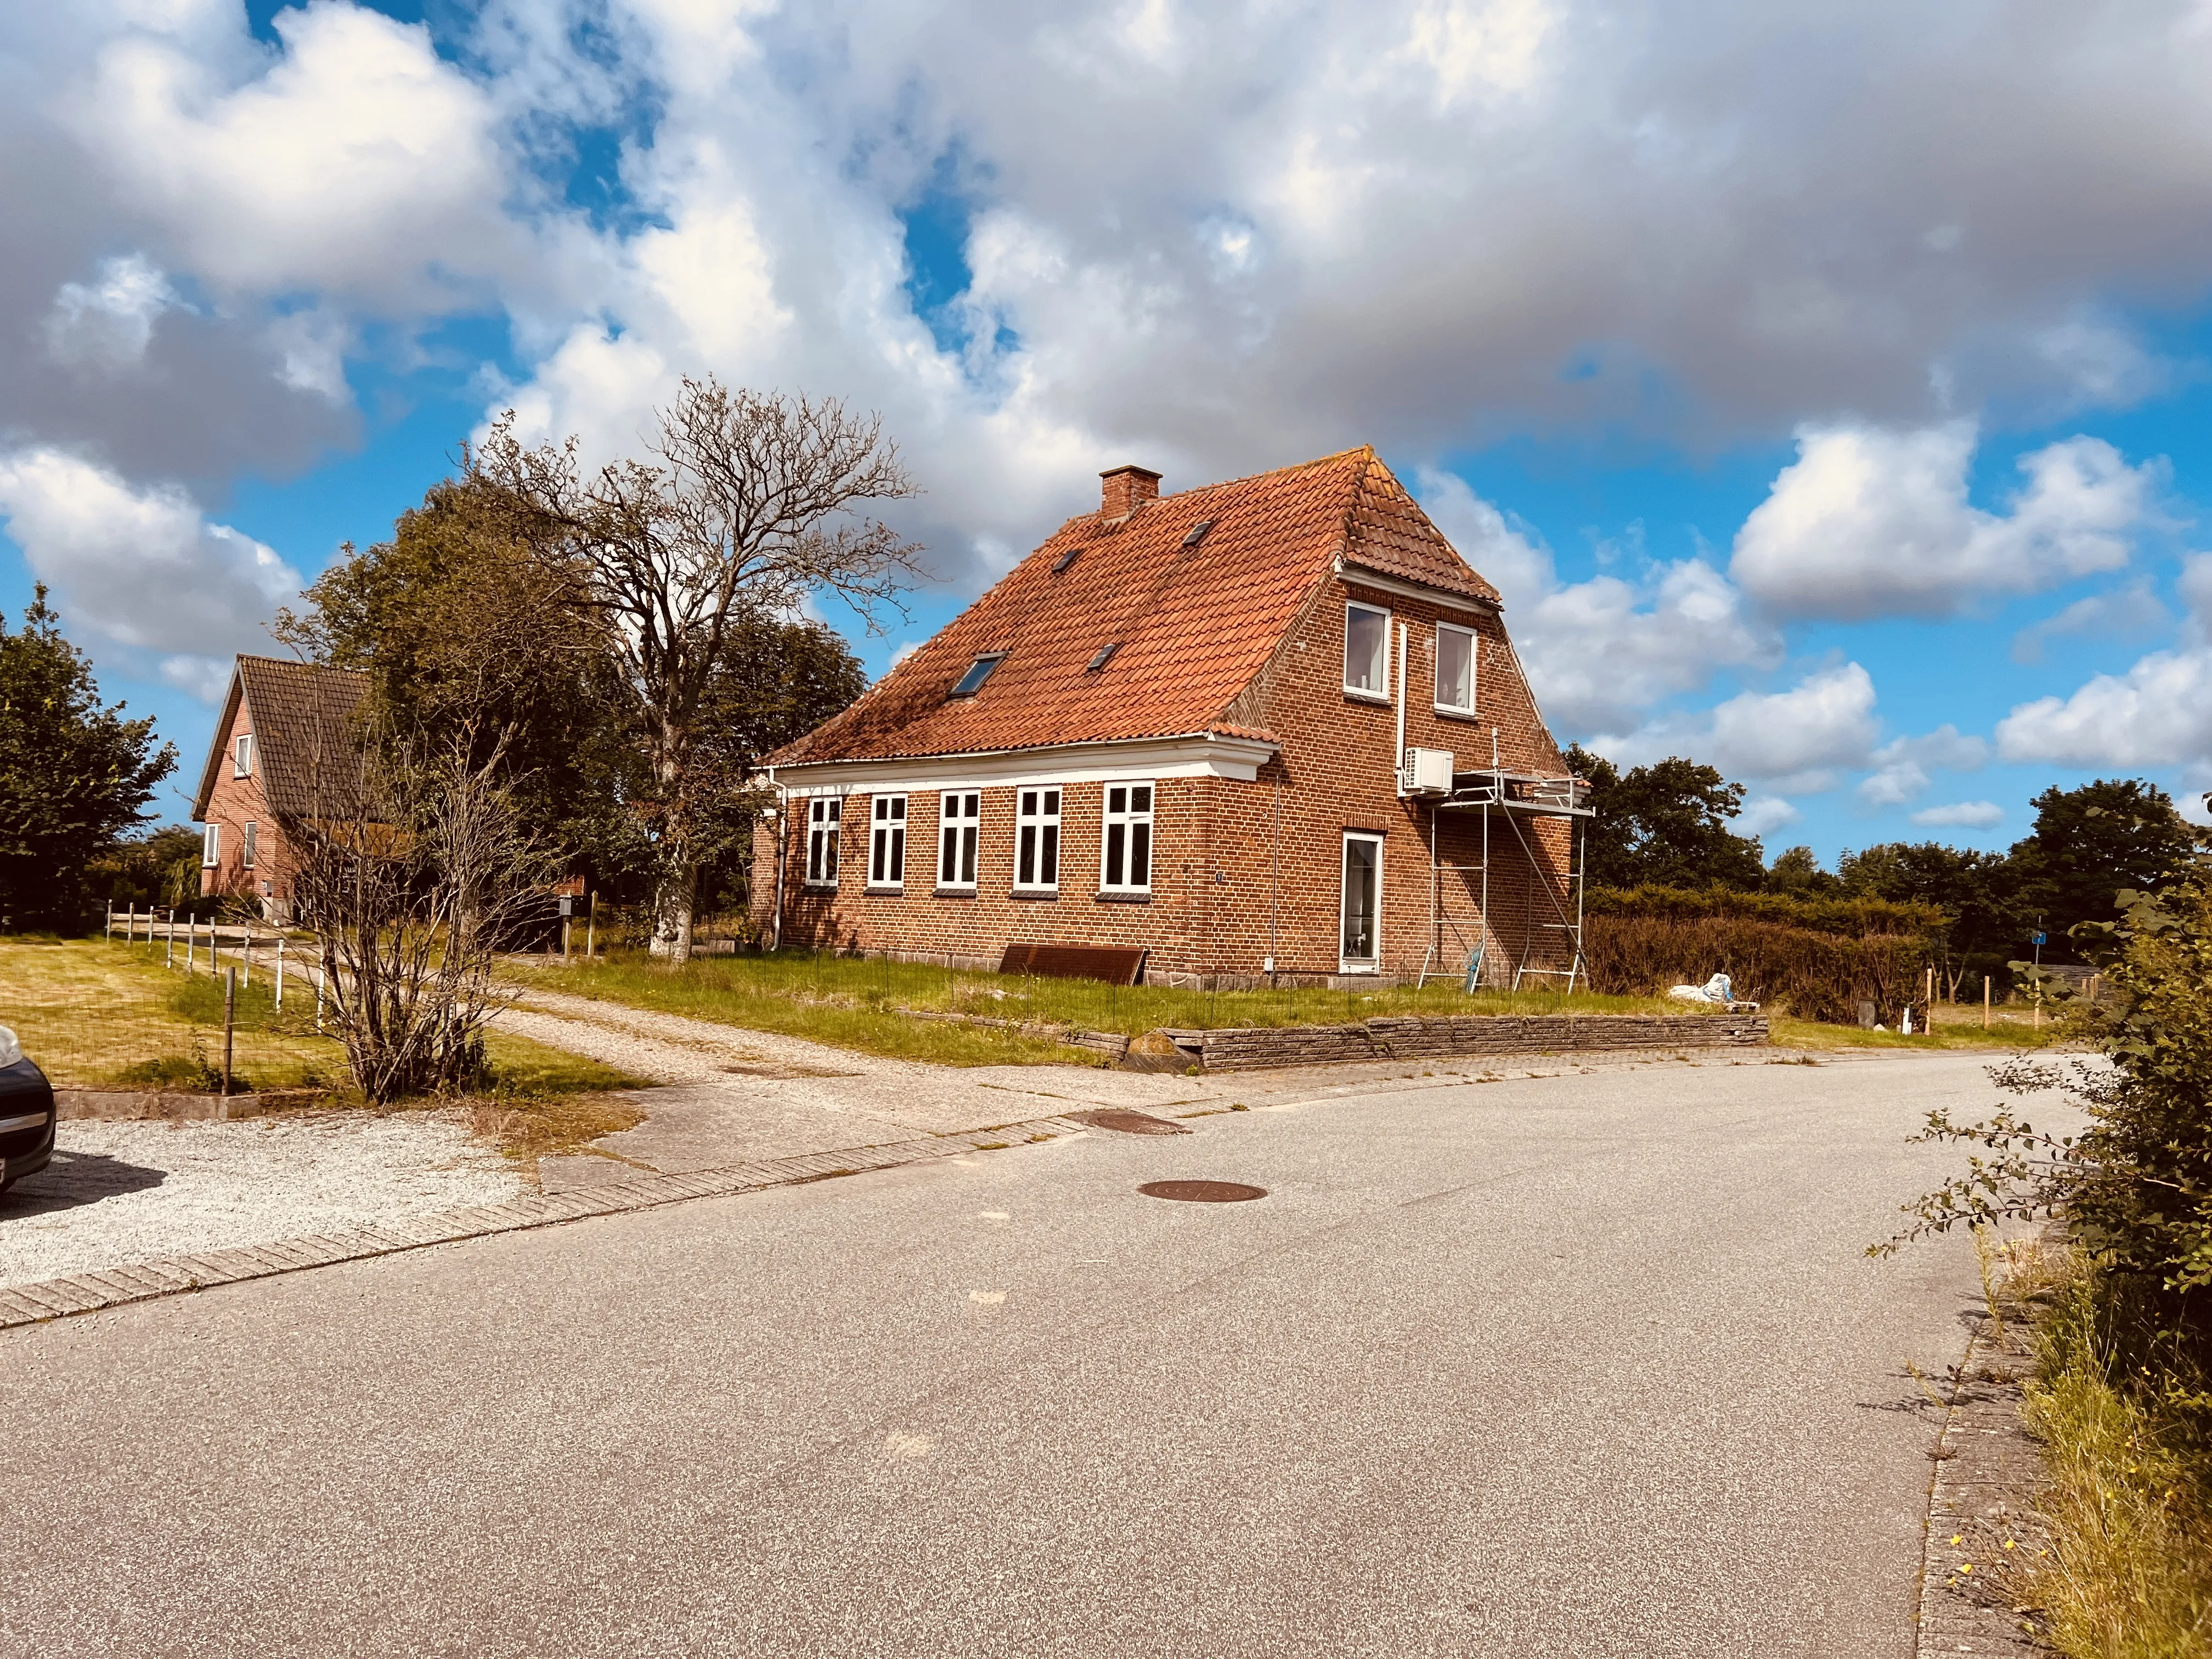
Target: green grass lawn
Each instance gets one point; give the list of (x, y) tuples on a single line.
[(95, 1012), (859, 1005)]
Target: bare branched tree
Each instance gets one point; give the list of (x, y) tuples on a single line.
[(750, 508), (411, 872)]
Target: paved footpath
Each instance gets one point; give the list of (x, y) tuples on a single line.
[(1579, 1365)]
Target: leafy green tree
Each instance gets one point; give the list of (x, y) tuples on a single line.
[(159, 870), (1665, 825), (2090, 843), (73, 775), (2135, 1185), (1796, 871), (471, 625), (1976, 891)]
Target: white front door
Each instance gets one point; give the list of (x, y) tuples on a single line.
[(1362, 951)]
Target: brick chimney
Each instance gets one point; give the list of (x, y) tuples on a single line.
[(1127, 489)]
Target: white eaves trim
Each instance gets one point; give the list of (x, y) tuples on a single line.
[(1135, 760), (1444, 598)]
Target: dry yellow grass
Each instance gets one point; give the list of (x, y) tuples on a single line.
[(95, 1012)]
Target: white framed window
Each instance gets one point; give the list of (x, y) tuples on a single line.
[(1455, 659), (1037, 839), (1367, 651), (1126, 857), (887, 841), (212, 845), (823, 815), (1361, 951), (241, 756), (959, 816), (246, 845)]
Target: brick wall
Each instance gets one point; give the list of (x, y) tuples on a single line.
[(1243, 871), (233, 804)]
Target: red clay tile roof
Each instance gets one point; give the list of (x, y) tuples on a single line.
[(1195, 625), (302, 720)]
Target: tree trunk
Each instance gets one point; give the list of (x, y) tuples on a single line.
[(672, 915)]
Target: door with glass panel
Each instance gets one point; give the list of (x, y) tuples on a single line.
[(1362, 948)]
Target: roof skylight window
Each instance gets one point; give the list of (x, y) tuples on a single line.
[(1105, 655), (1065, 560), (978, 671), (1198, 532)]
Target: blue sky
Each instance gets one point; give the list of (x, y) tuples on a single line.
[(1826, 392)]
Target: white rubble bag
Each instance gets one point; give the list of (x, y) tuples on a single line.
[(1718, 992)]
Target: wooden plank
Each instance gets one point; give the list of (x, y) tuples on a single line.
[(1113, 963)]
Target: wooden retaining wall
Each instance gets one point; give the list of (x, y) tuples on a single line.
[(1414, 1037)]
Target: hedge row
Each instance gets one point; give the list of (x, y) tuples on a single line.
[(1821, 976), (1854, 918)]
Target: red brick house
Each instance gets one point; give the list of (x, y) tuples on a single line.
[(1269, 727), (283, 723)]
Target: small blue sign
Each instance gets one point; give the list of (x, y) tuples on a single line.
[(2041, 938)]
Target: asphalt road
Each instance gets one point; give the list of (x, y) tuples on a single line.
[(1582, 1365)]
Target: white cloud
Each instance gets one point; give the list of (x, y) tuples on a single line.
[(2157, 713), (1901, 764), (1763, 815), (1606, 649), (108, 323), (1869, 521), (1962, 814), (1795, 741), (140, 568), (2130, 610), (353, 163)]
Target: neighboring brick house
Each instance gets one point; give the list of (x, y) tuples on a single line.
[(284, 727), (1269, 727)]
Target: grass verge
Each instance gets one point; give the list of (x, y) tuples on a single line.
[(1792, 1033), (97, 1012), (859, 1005), (2124, 1424)]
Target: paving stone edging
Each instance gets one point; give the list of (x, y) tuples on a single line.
[(112, 1288), (1988, 1469)]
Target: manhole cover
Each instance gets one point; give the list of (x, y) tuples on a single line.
[(1128, 1122), (1202, 1192)]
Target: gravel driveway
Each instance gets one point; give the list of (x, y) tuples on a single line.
[(118, 1193)]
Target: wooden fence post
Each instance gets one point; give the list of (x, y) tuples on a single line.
[(169, 936), (245, 954), (229, 1013), (592, 925), (280, 973), (1985, 1002)]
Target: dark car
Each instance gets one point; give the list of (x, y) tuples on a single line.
[(26, 1113)]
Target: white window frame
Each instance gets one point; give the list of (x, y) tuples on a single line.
[(1129, 819), (959, 830), (824, 820), (1350, 964), (1381, 693), (245, 840), (241, 756), (211, 845), (1038, 842), (1474, 668), (887, 843)]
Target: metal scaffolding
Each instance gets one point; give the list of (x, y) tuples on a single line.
[(1471, 940)]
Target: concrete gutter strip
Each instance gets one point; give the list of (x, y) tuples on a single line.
[(110, 1287)]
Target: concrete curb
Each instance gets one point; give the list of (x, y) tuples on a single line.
[(1988, 1469), (113, 1287)]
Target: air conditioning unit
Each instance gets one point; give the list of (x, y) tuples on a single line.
[(1426, 772)]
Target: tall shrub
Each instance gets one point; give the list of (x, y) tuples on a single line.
[(1815, 975)]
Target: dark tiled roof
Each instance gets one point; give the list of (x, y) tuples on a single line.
[(305, 741), (1195, 625)]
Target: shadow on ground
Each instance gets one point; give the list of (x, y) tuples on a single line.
[(73, 1180)]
